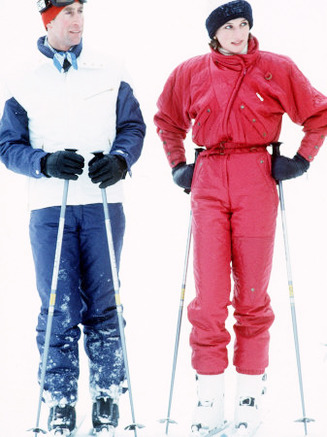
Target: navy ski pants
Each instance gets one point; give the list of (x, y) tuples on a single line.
[(85, 295)]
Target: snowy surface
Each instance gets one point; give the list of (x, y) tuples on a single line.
[(154, 37)]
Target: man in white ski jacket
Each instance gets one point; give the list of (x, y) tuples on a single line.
[(70, 103)]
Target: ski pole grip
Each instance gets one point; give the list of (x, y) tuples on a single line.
[(197, 152), (98, 153), (276, 148)]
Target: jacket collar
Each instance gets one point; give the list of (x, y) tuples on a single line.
[(238, 62), (45, 50)]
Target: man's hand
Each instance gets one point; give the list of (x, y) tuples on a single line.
[(107, 169), (63, 165)]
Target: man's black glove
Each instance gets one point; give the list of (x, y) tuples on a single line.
[(183, 175), (288, 168), (62, 165), (107, 169)]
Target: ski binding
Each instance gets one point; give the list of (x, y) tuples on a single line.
[(104, 431), (215, 432)]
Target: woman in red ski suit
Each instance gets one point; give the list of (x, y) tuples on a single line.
[(234, 104)]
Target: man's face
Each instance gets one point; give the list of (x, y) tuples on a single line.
[(66, 29)]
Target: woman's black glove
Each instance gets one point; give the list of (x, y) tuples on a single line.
[(62, 165), (288, 168), (183, 175), (107, 169)]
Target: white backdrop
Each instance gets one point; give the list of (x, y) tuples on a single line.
[(153, 37)]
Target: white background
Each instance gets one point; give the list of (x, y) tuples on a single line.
[(153, 37)]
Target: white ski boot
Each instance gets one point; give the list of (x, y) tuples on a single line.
[(208, 416), (248, 408)]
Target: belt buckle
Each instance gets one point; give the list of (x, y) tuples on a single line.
[(221, 148)]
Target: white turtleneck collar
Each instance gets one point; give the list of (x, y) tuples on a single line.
[(227, 53)]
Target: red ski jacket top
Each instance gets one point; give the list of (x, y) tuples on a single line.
[(238, 100)]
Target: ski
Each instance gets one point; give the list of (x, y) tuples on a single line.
[(107, 431), (240, 432), (215, 432), (64, 432), (61, 432)]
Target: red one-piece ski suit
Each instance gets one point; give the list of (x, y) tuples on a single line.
[(234, 105)]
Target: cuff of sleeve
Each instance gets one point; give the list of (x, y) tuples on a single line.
[(123, 157), (38, 168), (311, 145)]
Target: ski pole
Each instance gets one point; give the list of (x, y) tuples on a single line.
[(305, 420), (52, 302), (133, 426), (168, 420)]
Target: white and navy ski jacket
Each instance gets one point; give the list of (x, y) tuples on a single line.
[(89, 109)]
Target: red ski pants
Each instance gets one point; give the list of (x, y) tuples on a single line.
[(234, 206)]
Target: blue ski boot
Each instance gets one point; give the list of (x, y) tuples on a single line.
[(62, 420), (105, 415)]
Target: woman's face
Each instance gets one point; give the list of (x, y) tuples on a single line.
[(233, 35)]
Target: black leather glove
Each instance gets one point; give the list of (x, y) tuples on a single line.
[(107, 169), (183, 175), (288, 168), (62, 165)]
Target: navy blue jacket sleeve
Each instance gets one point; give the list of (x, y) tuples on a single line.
[(16, 152), (130, 127)]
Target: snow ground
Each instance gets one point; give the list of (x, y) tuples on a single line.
[(157, 219)]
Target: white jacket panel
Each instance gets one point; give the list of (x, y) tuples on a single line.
[(71, 110)]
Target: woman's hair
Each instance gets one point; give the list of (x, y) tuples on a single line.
[(215, 44)]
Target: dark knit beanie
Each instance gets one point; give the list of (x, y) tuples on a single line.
[(227, 12)]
